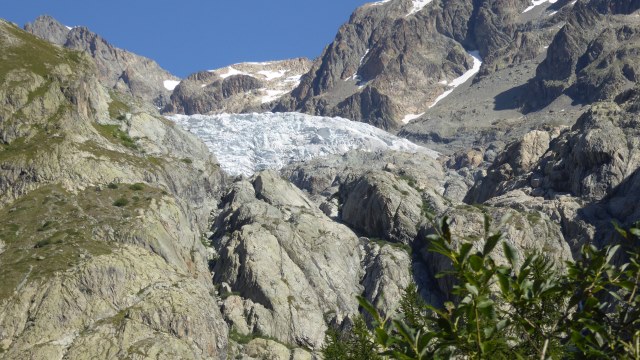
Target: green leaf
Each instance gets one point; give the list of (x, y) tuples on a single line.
[(502, 324), (485, 303), (472, 289), (611, 252), (491, 243), (476, 262), (509, 253), (503, 281), (464, 251), (368, 307)]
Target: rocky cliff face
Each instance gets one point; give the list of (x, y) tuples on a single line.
[(101, 253), (118, 69), (592, 57), (237, 88), (392, 60)]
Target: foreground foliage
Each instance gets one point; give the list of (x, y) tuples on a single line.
[(519, 308)]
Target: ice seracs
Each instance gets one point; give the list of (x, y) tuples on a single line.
[(477, 63), (171, 84), (246, 143)]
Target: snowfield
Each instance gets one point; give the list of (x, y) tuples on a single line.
[(246, 143)]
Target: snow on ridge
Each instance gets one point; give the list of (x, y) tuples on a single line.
[(477, 63), (417, 6), (232, 71), (377, 3), (171, 84), (535, 3), (242, 145), (270, 75)]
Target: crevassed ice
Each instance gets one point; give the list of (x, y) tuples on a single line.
[(246, 143)]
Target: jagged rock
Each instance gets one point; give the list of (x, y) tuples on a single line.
[(237, 88), (580, 60), (518, 159), (280, 251), (389, 62), (388, 273), (381, 205), (118, 69)]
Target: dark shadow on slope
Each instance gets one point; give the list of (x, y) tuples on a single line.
[(510, 99)]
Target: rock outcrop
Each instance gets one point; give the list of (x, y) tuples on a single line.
[(102, 217), (592, 58), (291, 271), (237, 88), (118, 69)]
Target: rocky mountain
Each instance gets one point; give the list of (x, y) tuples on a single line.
[(102, 217), (122, 236), (237, 88), (394, 59), (118, 69)]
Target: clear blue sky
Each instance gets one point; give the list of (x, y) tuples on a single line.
[(190, 35)]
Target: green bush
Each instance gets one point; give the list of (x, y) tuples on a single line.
[(112, 186), (137, 187), (121, 202), (517, 310)]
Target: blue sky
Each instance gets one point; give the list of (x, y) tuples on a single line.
[(190, 35)]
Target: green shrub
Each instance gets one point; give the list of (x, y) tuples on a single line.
[(517, 310), (121, 202), (137, 187), (112, 186)]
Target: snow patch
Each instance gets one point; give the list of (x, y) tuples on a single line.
[(477, 63), (232, 71), (272, 95), (171, 84), (68, 27), (417, 6), (535, 3), (246, 143), (293, 79), (270, 75), (410, 117), (379, 2)]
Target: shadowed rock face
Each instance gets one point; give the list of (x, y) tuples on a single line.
[(593, 57), (118, 69)]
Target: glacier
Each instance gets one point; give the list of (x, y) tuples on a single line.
[(247, 143)]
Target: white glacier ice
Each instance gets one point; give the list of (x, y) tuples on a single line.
[(246, 143)]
